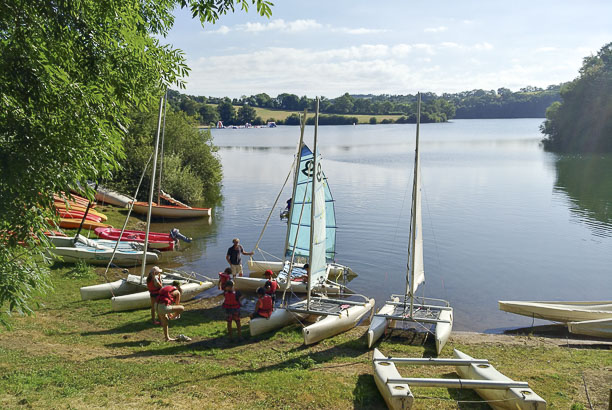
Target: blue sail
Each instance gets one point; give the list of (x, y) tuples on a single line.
[(299, 224)]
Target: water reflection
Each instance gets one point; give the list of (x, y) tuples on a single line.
[(587, 181)]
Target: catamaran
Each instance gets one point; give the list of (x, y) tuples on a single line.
[(408, 307), (333, 315)]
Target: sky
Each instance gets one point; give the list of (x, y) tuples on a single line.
[(329, 47)]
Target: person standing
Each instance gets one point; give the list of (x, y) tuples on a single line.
[(154, 285), (234, 257), (231, 304)]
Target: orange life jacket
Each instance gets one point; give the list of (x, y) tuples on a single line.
[(266, 306), (231, 301)]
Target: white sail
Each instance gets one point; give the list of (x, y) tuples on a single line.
[(318, 263), (419, 269)]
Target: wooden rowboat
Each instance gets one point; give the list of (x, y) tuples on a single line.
[(171, 211)]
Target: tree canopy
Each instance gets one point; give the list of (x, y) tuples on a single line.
[(582, 121), (70, 74)]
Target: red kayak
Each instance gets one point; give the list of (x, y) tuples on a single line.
[(157, 240), (78, 214)]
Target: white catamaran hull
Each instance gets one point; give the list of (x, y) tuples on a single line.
[(513, 398), (107, 290), (332, 325), (142, 300), (443, 330), (379, 324), (397, 395), (246, 284), (100, 256), (257, 268), (560, 311), (280, 317), (597, 328)]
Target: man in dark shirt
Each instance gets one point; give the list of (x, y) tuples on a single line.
[(234, 258)]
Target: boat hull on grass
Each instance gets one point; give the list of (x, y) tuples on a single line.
[(378, 324), (171, 211), (111, 197), (73, 223), (443, 329), (157, 240), (280, 317), (332, 325), (107, 290), (246, 284), (397, 395), (142, 300), (559, 311), (597, 328), (512, 398)]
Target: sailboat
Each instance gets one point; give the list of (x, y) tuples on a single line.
[(333, 315), (408, 307), (299, 222)]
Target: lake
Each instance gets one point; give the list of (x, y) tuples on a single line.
[(502, 219)]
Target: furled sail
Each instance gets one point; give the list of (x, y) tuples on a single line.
[(419, 269), (301, 218)]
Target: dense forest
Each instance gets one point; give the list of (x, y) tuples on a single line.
[(528, 102), (582, 121)]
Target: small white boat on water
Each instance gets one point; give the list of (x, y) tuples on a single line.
[(598, 328), (499, 391), (407, 308), (142, 300), (98, 251), (559, 311)]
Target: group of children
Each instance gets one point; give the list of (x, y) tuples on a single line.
[(266, 296), (165, 300)]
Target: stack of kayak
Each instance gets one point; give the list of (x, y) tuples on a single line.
[(98, 251), (72, 211)]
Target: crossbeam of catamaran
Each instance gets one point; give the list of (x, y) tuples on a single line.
[(407, 308)]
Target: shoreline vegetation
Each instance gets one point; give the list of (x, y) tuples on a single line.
[(347, 109)]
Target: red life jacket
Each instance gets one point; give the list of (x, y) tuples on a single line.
[(152, 288), (165, 297), (273, 286), (223, 277), (231, 301), (266, 306)]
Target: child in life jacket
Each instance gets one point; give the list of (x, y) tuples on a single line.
[(271, 285), (224, 277), (231, 304), (154, 284), (264, 305), (168, 306)]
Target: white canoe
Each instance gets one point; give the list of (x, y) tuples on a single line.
[(330, 325), (378, 324), (246, 284), (443, 330), (597, 328), (100, 256), (280, 317), (171, 211), (257, 268), (513, 398), (559, 311), (107, 290), (142, 300), (111, 197), (397, 395)]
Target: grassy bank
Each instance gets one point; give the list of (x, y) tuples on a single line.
[(80, 354)]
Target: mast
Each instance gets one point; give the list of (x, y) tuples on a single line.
[(412, 247), (295, 178), (152, 188), (161, 157), (315, 163)]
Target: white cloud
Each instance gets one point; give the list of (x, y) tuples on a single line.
[(358, 31), (438, 29), (545, 49), (280, 25)]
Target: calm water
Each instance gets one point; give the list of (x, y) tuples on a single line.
[(502, 219)]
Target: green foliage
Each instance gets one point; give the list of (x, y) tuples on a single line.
[(190, 164), (246, 114), (582, 122), (226, 111), (71, 72), (373, 120)]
